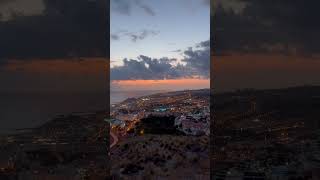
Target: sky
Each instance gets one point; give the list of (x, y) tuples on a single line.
[(159, 42), (53, 60), (53, 46), (265, 44)]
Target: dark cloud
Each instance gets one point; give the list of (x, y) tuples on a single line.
[(204, 44), (284, 26), (134, 36), (125, 6), (64, 28), (114, 37), (147, 68), (142, 35), (196, 62), (145, 7)]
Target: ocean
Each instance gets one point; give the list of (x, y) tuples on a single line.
[(119, 96)]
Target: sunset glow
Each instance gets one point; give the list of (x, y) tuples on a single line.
[(83, 66), (263, 71), (166, 84)]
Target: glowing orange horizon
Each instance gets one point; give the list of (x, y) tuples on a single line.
[(85, 66), (263, 71), (186, 83), (162, 81)]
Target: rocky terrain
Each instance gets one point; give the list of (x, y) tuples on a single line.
[(163, 156)]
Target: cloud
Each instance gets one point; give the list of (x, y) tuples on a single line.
[(114, 37), (204, 44), (141, 35), (69, 28), (125, 7), (284, 27), (145, 68), (196, 63), (145, 7), (198, 60), (134, 36)]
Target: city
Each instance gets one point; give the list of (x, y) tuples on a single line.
[(266, 134), (173, 129), (67, 147)]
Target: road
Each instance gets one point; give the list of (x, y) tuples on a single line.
[(114, 138)]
